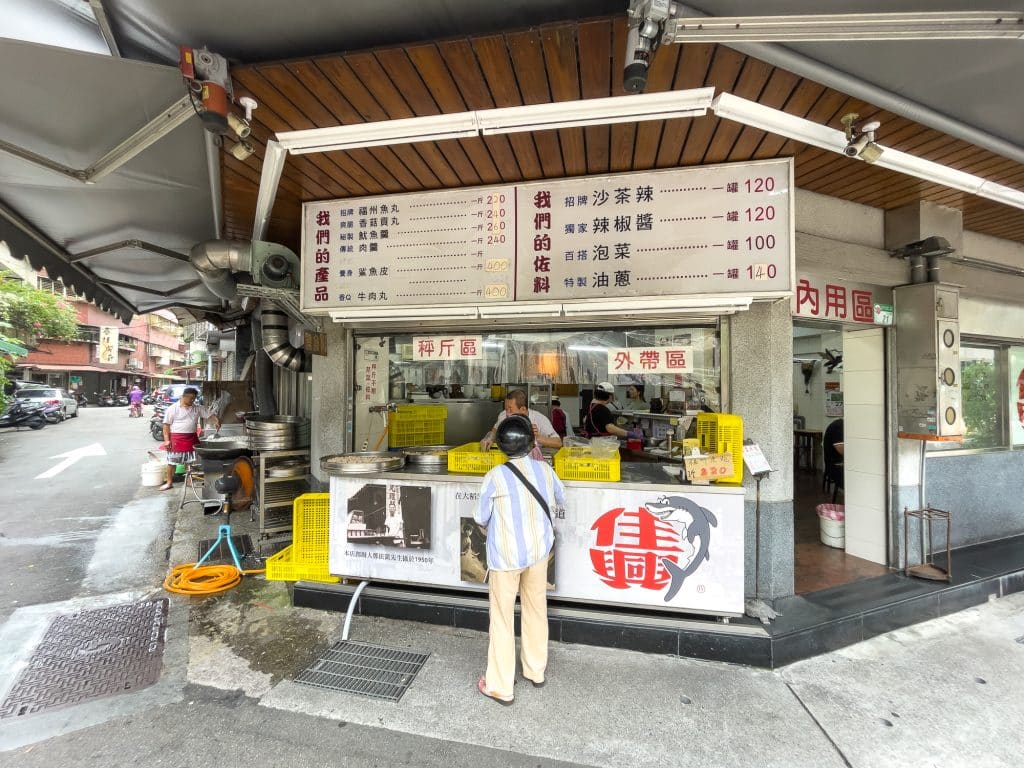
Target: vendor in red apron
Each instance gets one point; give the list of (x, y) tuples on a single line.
[(181, 431), (599, 421)]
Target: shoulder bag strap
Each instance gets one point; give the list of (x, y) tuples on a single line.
[(530, 487)]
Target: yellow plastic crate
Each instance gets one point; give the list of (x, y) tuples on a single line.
[(405, 432), (311, 514), (408, 410), (284, 567), (469, 459), (306, 558), (578, 463), (723, 433)]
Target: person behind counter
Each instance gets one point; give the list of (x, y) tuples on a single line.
[(635, 392), (543, 432), (599, 421), (520, 536), (559, 420)]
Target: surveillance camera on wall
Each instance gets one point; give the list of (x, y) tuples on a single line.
[(860, 138), (646, 20)]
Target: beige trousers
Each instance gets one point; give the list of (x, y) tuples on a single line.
[(531, 583)]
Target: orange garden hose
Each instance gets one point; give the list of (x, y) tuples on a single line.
[(186, 579)]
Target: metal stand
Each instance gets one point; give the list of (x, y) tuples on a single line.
[(927, 569), (223, 534), (757, 607), (194, 480)]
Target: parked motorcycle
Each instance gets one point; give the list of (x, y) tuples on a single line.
[(105, 400), (156, 422), (53, 411), (148, 400), (82, 400), (23, 413), (121, 400)]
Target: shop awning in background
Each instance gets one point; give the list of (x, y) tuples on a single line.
[(12, 349), (74, 368)]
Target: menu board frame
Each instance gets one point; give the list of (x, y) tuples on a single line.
[(714, 249)]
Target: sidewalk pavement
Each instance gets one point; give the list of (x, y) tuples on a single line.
[(943, 693)]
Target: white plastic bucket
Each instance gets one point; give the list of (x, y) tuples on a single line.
[(153, 473), (832, 521)]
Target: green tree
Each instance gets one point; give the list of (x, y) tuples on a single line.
[(33, 314), (981, 408)]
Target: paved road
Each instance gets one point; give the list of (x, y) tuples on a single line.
[(78, 532)]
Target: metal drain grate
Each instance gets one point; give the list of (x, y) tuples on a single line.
[(89, 655), (243, 546), (369, 670)]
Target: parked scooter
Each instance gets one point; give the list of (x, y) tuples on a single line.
[(105, 399), (53, 411), (156, 422), (82, 400), (23, 413), (121, 400)]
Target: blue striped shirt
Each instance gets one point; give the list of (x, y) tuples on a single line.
[(518, 532)]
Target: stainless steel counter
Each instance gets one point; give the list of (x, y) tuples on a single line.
[(636, 475)]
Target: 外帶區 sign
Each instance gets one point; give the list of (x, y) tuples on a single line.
[(717, 229), (622, 360)]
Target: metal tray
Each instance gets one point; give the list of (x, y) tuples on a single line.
[(360, 463), (428, 455), (288, 469)]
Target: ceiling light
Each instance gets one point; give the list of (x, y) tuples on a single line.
[(523, 309), (776, 121), (663, 306), (403, 314), (430, 128), (783, 124), (615, 109), (943, 25)]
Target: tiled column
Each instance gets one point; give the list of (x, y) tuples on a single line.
[(761, 391), (332, 386)]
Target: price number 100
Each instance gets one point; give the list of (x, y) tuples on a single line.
[(760, 242)]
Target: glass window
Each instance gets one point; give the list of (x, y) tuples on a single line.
[(578, 357), (981, 388)]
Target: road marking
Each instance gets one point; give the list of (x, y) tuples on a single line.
[(70, 457)]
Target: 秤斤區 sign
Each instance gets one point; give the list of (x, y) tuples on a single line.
[(447, 347)]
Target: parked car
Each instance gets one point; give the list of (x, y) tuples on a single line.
[(172, 392), (53, 396)]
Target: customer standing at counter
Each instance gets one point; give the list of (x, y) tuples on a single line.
[(519, 540), (599, 421), (543, 432)]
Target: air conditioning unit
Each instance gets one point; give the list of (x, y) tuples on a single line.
[(928, 396), (135, 365)]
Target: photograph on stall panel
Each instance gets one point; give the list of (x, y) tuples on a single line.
[(390, 516), (473, 554)]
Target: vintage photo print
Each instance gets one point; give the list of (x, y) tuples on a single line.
[(472, 551), (390, 516)]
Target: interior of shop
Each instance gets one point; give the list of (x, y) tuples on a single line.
[(562, 366), (819, 476)]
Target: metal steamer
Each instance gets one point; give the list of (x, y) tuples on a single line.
[(361, 463), (277, 433)]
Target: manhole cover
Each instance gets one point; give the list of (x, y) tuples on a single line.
[(369, 670), (243, 546), (89, 655)]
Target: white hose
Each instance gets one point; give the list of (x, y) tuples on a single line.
[(351, 609)]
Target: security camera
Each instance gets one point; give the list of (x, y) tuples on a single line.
[(860, 138), (646, 19)]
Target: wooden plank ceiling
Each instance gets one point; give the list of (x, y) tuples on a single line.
[(556, 63)]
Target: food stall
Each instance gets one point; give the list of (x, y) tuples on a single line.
[(455, 298)]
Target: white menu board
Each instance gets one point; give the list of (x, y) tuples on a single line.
[(449, 247), (717, 229), (710, 229)]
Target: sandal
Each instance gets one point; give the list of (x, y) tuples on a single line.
[(165, 487), (481, 686)]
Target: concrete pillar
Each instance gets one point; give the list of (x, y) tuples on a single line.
[(332, 402), (761, 391)]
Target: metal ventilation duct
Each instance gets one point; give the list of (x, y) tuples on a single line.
[(275, 339)]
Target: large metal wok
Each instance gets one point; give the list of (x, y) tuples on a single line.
[(223, 448)]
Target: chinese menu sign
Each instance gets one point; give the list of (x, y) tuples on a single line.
[(650, 360), (450, 247), (674, 551), (706, 230), (827, 299), (447, 347)]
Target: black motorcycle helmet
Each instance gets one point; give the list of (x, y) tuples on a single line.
[(515, 436)]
